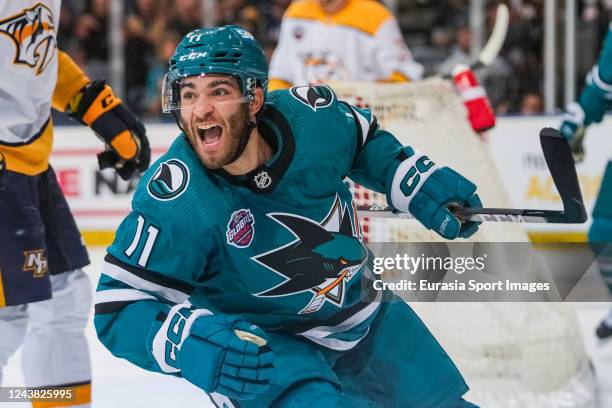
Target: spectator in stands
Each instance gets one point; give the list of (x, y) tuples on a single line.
[(497, 78), (523, 49), (272, 18), (248, 19), (66, 28), (163, 52), (322, 40), (460, 53), (91, 31), (532, 103), (187, 16), (228, 10), (144, 28)]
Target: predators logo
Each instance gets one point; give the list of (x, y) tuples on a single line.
[(33, 33)]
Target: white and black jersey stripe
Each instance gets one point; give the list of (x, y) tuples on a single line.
[(144, 284)]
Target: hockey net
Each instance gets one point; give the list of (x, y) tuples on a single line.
[(511, 354)]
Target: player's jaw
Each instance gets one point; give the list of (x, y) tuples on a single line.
[(215, 140)]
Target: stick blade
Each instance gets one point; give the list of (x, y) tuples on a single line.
[(558, 155)]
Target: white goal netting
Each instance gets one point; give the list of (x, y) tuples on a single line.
[(512, 354)]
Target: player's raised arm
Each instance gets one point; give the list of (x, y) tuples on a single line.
[(411, 180), (94, 104)]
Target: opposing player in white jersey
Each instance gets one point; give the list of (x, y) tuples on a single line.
[(595, 99), (323, 40), (41, 282)]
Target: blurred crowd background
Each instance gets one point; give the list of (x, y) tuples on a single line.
[(436, 31)]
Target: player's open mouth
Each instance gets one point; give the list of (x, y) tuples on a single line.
[(210, 135)]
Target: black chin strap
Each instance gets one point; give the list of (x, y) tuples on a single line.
[(177, 120), (244, 139)]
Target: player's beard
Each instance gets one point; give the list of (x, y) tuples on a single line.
[(235, 133)]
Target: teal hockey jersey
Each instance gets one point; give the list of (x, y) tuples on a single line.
[(280, 246)]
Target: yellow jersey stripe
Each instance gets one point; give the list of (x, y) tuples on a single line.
[(2, 297), (31, 158), (363, 15), (277, 83)]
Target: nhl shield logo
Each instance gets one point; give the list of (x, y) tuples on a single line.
[(240, 228), (313, 96), (262, 180), (169, 181)]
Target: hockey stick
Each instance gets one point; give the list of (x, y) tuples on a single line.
[(494, 43), (560, 163), (496, 40)]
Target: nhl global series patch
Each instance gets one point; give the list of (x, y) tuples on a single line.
[(169, 181), (240, 228)]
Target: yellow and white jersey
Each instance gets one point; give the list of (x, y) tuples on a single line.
[(28, 78), (362, 41)]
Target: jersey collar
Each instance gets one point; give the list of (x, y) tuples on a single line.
[(276, 131)]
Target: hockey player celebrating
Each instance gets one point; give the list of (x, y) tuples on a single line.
[(42, 285), (246, 226), (595, 99)]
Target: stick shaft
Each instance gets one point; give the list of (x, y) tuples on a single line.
[(558, 156)]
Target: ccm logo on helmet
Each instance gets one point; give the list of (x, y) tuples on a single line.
[(193, 56)]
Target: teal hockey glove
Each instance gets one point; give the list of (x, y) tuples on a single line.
[(595, 99), (419, 187), (573, 119), (205, 350)]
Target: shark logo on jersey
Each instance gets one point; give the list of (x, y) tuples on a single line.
[(33, 33), (313, 96), (321, 260), (169, 180), (240, 229)]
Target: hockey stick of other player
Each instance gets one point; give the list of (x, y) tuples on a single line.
[(560, 163), (495, 42)]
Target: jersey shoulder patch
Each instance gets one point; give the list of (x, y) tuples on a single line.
[(315, 97), (169, 181)]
